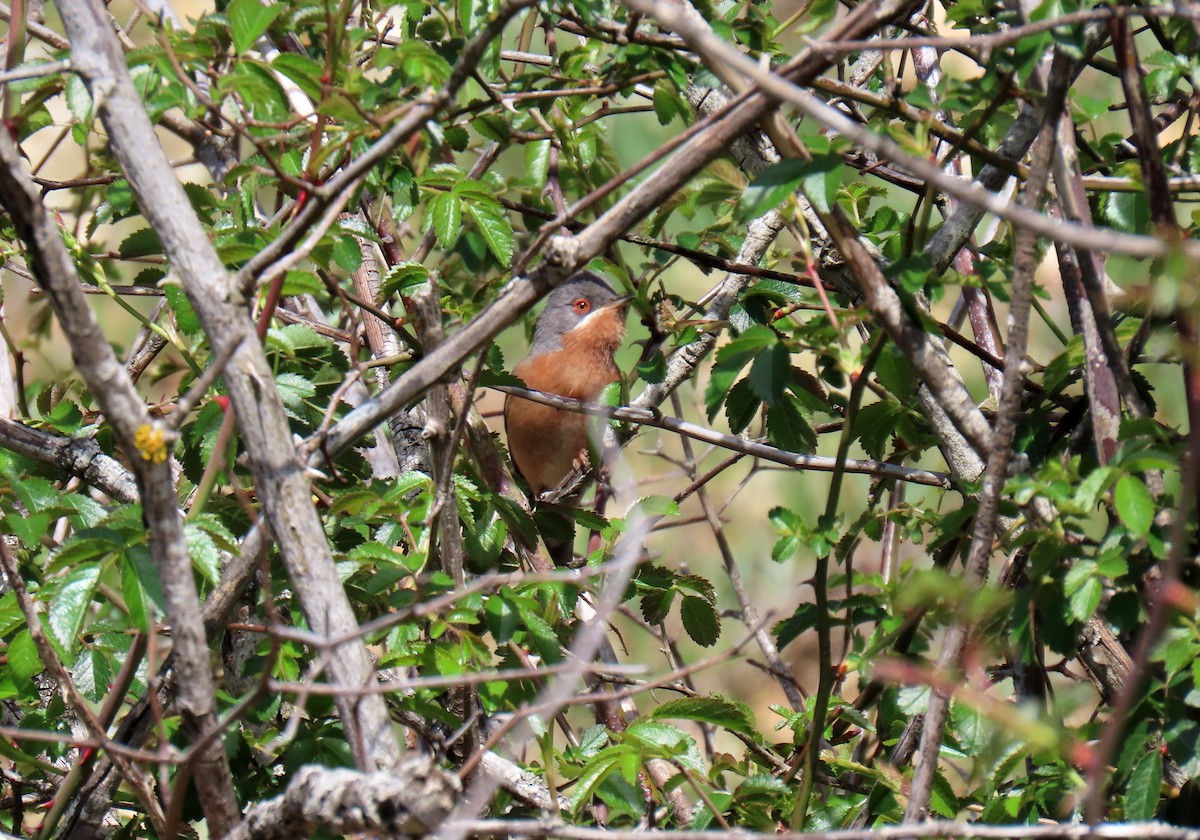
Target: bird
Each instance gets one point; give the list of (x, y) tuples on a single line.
[(574, 341)]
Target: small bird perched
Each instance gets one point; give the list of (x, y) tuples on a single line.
[(572, 356)]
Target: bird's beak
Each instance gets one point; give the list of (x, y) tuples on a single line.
[(619, 303)]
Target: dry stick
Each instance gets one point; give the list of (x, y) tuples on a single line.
[(146, 442), (81, 457), (280, 480), (1100, 386), (381, 341), (779, 668), (975, 572), (978, 301), (1099, 326), (949, 829)]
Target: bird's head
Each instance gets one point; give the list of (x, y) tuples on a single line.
[(583, 311)]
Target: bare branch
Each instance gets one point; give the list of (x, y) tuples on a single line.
[(410, 798), (280, 481)]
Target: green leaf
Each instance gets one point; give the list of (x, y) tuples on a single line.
[(447, 218), (671, 740), (700, 620), (1128, 212), (594, 772), (653, 506), (347, 253), (141, 243), (502, 617), (136, 599), (741, 405), (92, 674), (69, 604), (79, 100), (206, 558), (731, 359), (294, 389), (23, 659), (715, 710), (1135, 505), (655, 604), (537, 161), (1083, 589), (302, 70), (942, 800), (249, 19), (542, 634), (788, 429), (1145, 787), (772, 187), (493, 224), (819, 178), (770, 373), (185, 316)]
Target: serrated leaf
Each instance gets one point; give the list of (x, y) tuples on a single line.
[(653, 506), (88, 512), (302, 70), (502, 617), (1145, 788), (788, 429), (141, 243), (741, 406), (700, 620), (542, 634), (136, 599), (294, 389), (249, 19), (670, 739), (1087, 494), (770, 373), (92, 674), (803, 619), (1128, 212), (185, 316), (447, 218), (1135, 505), (206, 557), (715, 710), (295, 337), (69, 604), (23, 659), (697, 585), (818, 178), (79, 100), (347, 252), (655, 605), (771, 187), (1082, 603), (594, 772), (491, 222)]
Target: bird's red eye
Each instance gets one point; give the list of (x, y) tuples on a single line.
[(582, 305)]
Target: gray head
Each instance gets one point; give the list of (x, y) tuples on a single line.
[(583, 295)]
